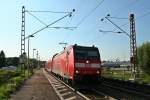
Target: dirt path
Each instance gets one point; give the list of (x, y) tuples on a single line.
[(36, 88)]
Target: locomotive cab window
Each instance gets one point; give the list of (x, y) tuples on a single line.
[(93, 54), (85, 53)]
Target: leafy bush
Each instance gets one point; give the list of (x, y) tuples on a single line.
[(5, 75), (144, 57), (9, 82)]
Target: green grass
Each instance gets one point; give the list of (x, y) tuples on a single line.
[(125, 75), (145, 78), (116, 74), (10, 81), (5, 75)]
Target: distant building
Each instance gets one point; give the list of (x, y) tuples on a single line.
[(110, 64), (124, 65), (9, 68)]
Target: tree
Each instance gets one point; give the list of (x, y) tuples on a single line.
[(2, 59), (12, 61), (15, 61), (144, 57)]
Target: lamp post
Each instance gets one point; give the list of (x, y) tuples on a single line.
[(33, 60), (29, 52), (33, 53), (37, 57)]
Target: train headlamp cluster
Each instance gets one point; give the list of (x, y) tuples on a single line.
[(77, 71), (97, 72)]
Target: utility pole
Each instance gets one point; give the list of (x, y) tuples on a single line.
[(33, 53), (39, 62), (23, 40), (37, 56), (133, 47)]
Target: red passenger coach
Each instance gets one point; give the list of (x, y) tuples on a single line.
[(48, 65), (77, 64)]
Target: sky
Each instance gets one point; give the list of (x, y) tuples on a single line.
[(87, 18)]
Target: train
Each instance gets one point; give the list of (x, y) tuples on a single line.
[(76, 64)]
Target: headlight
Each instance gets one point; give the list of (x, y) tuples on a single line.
[(97, 72), (77, 71)]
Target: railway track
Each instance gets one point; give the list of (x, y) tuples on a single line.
[(109, 89), (126, 89), (94, 94), (64, 91)]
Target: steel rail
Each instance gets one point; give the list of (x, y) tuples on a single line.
[(74, 90)]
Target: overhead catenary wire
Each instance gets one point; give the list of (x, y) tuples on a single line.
[(79, 7), (56, 27), (73, 15), (91, 31), (95, 38), (118, 18), (46, 11), (68, 28), (109, 31), (117, 26), (85, 17), (131, 4), (125, 7), (139, 17), (50, 24), (144, 15), (37, 18), (69, 14), (68, 22)]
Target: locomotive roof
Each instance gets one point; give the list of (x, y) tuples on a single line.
[(75, 46), (79, 46)]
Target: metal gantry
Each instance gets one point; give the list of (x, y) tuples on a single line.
[(23, 31), (23, 54), (133, 47), (23, 58)]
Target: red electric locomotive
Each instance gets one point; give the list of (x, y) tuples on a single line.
[(77, 64)]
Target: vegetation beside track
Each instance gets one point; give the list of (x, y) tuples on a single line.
[(125, 75), (10, 81)]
